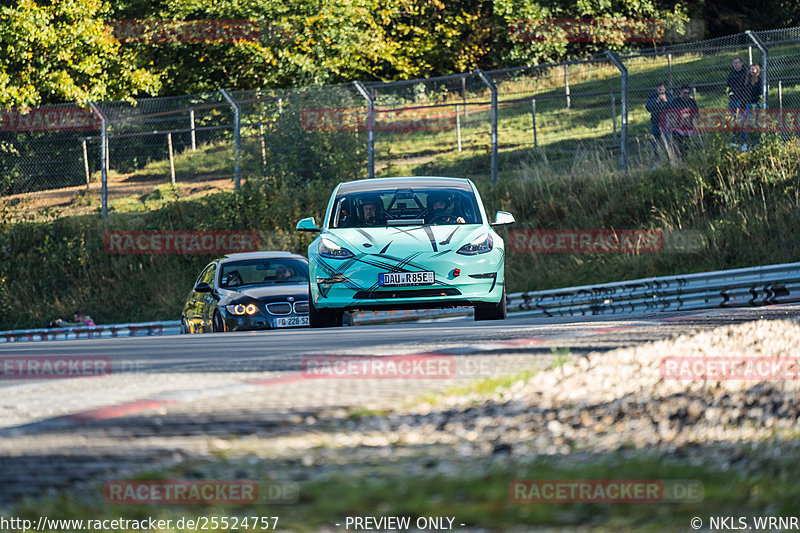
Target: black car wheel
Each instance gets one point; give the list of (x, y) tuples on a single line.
[(323, 318), (217, 324), (496, 311)]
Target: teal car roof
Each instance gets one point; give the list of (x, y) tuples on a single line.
[(412, 182)]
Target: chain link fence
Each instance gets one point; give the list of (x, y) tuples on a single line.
[(568, 116)]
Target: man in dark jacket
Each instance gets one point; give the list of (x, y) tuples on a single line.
[(737, 78), (658, 102), (685, 110), (736, 83)]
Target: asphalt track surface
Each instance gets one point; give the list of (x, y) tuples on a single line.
[(168, 395)]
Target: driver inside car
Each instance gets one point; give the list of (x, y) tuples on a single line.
[(440, 210), (372, 213)]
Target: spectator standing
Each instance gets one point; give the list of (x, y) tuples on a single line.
[(752, 100), (658, 102), (685, 109), (737, 77)]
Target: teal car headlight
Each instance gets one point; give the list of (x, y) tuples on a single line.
[(481, 245), (331, 250)]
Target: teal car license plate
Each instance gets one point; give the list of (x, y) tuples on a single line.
[(405, 279)]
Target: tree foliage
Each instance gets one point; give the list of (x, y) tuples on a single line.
[(60, 51)]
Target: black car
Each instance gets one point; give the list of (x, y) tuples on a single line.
[(257, 290)]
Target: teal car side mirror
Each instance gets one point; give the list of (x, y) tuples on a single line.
[(307, 224), (503, 218)]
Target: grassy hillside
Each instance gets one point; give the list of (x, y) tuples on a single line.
[(746, 204)]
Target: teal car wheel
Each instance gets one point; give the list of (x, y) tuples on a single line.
[(492, 311), (324, 318)]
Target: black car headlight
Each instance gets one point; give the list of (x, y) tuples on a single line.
[(241, 309), (481, 245), (330, 249)]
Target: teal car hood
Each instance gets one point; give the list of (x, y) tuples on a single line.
[(400, 239)]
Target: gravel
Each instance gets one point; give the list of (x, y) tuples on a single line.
[(600, 402)]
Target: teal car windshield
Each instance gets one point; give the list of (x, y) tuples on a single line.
[(405, 207)]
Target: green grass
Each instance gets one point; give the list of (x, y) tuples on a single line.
[(475, 494), (476, 386)]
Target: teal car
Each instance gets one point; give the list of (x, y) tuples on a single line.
[(405, 243)]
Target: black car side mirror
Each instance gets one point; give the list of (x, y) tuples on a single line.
[(202, 287)]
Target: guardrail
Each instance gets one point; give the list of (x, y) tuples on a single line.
[(92, 332), (742, 287)]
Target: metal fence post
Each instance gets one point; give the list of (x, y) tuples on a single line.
[(533, 117), (623, 143), (493, 117), (103, 160), (669, 67), (191, 125), (86, 162), (458, 126), (464, 93), (566, 87), (237, 138), (171, 158), (370, 127), (764, 67), (613, 118)]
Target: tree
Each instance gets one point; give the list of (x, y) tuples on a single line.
[(60, 51)]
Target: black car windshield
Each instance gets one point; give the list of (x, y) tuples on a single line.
[(263, 272), (405, 207)]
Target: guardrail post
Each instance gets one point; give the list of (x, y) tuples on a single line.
[(493, 117), (623, 143), (370, 127), (237, 138), (764, 66), (103, 161)]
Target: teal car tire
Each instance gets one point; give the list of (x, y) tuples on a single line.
[(324, 318), (496, 311)]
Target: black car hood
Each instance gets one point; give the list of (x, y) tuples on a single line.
[(265, 293)]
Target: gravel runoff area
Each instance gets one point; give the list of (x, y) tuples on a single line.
[(621, 400)]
